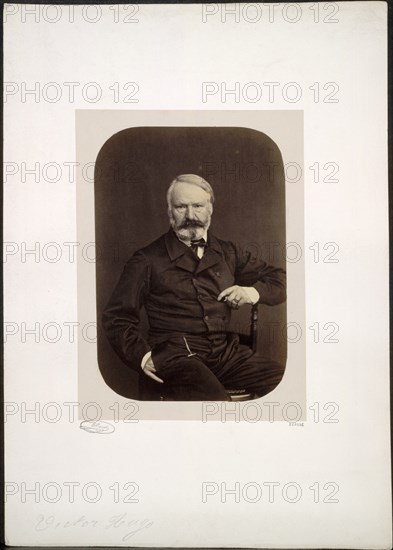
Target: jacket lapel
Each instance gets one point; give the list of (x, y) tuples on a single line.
[(180, 253), (185, 259), (212, 255)]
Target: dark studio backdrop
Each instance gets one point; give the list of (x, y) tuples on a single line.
[(133, 171)]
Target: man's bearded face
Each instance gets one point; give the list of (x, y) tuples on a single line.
[(190, 211)]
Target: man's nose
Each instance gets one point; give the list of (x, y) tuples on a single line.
[(190, 212)]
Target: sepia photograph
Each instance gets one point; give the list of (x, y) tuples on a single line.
[(171, 315)]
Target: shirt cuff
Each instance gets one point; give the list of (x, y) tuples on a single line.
[(252, 293), (145, 359)]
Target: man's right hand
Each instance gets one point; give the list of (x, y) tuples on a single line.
[(149, 369)]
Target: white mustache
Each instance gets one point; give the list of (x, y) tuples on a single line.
[(191, 223)]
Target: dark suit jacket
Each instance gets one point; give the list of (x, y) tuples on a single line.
[(179, 292)]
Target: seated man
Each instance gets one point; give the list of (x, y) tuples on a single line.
[(188, 280)]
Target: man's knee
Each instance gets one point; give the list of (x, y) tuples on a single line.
[(260, 375), (271, 374), (278, 368), (193, 380)]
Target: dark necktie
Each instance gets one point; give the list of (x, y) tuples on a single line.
[(198, 242)]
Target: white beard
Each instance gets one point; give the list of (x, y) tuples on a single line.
[(189, 233)]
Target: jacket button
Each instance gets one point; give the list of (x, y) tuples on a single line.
[(218, 274), (206, 317)]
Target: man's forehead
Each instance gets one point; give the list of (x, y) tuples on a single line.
[(188, 191)]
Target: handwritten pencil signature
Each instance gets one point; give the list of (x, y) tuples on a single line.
[(118, 522)]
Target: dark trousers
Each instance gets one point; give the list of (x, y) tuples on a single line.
[(202, 368)]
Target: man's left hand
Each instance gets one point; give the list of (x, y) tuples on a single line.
[(235, 296)]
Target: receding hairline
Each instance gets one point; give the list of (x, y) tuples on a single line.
[(190, 179)]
